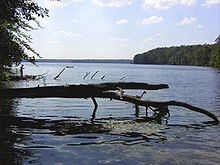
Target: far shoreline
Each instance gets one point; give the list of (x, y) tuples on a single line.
[(121, 61)]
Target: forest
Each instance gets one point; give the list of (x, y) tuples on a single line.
[(198, 55)]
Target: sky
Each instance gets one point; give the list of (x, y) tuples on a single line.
[(120, 29)]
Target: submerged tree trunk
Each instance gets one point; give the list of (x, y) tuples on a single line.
[(103, 90)]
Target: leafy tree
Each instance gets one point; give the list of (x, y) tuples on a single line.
[(15, 16), (215, 56)]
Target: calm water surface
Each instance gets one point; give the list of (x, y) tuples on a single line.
[(58, 131)]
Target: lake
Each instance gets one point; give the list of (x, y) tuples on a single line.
[(59, 131)]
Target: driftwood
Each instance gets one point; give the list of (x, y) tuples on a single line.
[(57, 76), (104, 90), (87, 73), (94, 74)]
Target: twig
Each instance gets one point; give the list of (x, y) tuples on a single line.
[(94, 74), (69, 66), (102, 77), (59, 73), (87, 73)]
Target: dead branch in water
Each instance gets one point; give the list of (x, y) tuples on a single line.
[(160, 105), (94, 74), (103, 90), (87, 73), (59, 73), (62, 71)]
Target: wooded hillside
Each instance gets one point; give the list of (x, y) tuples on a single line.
[(200, 55)]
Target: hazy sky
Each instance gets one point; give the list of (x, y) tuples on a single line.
[(117, 29)]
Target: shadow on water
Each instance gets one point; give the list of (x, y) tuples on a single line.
[(24, 139), (17, 141), (8, 138)]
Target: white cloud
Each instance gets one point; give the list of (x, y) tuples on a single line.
[(187, 2), (112, 3), (43, 21), (158, 34), (187, 21), (64, 33), (166, 4), (148, 39), (199, 26), (121, 21), (209, 3), (51, 4), (190, 21), (52, 42), (152, 20)]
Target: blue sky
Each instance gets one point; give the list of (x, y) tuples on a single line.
[(119, 29)]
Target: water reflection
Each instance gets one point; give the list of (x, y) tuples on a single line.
[(27, 140), (45, 131), (9, 154), (23, 139)]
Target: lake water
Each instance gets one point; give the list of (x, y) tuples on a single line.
[(59, 131)]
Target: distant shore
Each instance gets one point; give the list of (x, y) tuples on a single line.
[(122, 61)]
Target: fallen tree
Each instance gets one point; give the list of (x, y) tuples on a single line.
[(76, 91), (105, 90)]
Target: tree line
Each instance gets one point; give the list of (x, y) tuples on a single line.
[(199, 55)]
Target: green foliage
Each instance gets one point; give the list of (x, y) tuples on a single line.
[(215, 55), (14, 25), (4, 76), (200, 55)]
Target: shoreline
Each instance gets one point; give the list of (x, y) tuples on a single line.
[(122, 61)]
